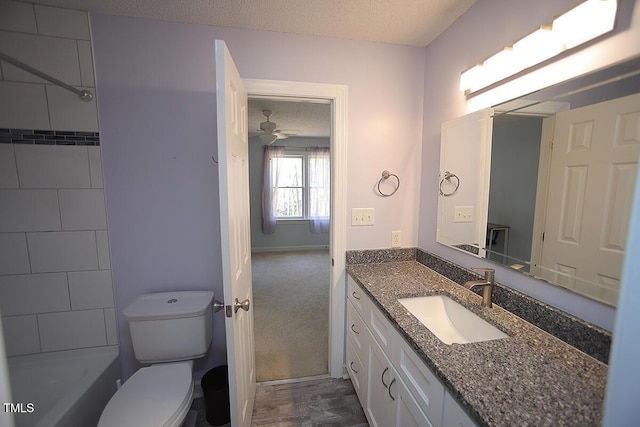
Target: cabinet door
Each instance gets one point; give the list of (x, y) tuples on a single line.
[(421, 383), (380, 374), (454, 415), (405, 411), (357, 372)]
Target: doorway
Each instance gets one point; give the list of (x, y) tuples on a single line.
[(336, 96), (290, 262)]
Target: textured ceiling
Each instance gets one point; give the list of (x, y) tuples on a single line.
[(402, 22), (310, 119), (405, 22)]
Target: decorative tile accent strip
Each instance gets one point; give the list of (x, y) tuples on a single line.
[(576, 332), (48, 137)]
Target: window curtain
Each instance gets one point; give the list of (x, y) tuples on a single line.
[(319, 189), (270, 176)]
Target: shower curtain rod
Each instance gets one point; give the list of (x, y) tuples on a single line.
[(84, 95)]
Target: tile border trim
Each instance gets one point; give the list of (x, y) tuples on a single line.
[(48, 137)]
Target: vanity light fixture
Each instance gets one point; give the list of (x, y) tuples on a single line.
[(584, 22)]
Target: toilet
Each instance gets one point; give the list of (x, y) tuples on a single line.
[(168, 330)]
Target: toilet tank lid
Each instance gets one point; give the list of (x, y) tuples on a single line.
[(169, 305)]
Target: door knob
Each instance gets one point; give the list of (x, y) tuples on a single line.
[(217, 306), (237, 305)]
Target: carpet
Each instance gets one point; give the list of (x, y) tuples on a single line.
[(291, 314)]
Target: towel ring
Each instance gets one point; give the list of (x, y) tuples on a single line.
[(447, 176), (385, 175)]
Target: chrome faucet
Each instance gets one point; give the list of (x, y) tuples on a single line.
[(487, 284)]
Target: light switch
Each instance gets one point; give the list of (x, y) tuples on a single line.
[(363, 216), (463, 214)]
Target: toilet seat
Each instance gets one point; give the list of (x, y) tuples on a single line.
[(158, 395)]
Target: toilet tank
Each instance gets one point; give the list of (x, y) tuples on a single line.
[(170, 326)]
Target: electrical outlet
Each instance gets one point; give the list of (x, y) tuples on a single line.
[(396, 239), (363, 216), (463, 214)]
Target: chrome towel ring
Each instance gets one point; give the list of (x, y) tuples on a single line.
[(386, 175), (447, 177)]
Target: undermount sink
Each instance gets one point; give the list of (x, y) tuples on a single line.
[(450, 321)]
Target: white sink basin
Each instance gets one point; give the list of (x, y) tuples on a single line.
[(450, 321)]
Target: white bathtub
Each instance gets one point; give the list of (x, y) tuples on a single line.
[(66, 388)]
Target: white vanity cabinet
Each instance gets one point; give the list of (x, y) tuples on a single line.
[(389, 402), (357, 353), (453, 415), (393, 384), (358, 372)]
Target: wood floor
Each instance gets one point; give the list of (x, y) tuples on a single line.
[(325, 402), (313, 403)]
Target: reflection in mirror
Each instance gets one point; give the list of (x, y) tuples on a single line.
[(563, 163)]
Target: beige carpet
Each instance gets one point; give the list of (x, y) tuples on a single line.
[(291, 314)]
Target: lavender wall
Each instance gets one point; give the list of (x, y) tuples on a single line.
[(484, 29), (157, 112), (156, 85)]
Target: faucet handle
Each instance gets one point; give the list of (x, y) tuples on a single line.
[(489, 273)]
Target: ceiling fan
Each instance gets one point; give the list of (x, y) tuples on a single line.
[(270, 133)]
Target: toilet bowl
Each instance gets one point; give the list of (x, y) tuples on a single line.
[(168, 330), (158, 395)]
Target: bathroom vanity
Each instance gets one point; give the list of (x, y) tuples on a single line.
[(404, 375)]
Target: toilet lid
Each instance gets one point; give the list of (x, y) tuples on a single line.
[(159, 395)]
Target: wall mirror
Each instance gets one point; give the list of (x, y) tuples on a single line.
[(544, 183)]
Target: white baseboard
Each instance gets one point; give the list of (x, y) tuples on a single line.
[(296, 380), (291, 248)]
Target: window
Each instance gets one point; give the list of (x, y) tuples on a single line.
[(296, 186), (301, 186), (288, 176)]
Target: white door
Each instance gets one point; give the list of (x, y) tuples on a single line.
[(593, 169), (233, 169)]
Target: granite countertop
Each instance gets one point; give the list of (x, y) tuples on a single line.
[(531, 378)]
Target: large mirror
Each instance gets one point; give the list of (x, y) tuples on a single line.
[(544, 183)]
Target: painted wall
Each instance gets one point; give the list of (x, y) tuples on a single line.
[(289, 235), (485, 28), (55, 273), (157, 115)]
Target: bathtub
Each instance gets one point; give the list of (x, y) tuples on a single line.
[(66, 388)]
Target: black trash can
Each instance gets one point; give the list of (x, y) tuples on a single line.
[(215, 386)]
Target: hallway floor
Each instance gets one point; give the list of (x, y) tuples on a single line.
[(317, 402)]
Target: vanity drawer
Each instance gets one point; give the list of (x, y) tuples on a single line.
[(381, 329), (357, 296), (357, 331)]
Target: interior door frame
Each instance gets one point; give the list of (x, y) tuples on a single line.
[(337, 96)]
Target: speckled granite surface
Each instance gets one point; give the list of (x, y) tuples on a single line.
[(584, 336), (530, 378)]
